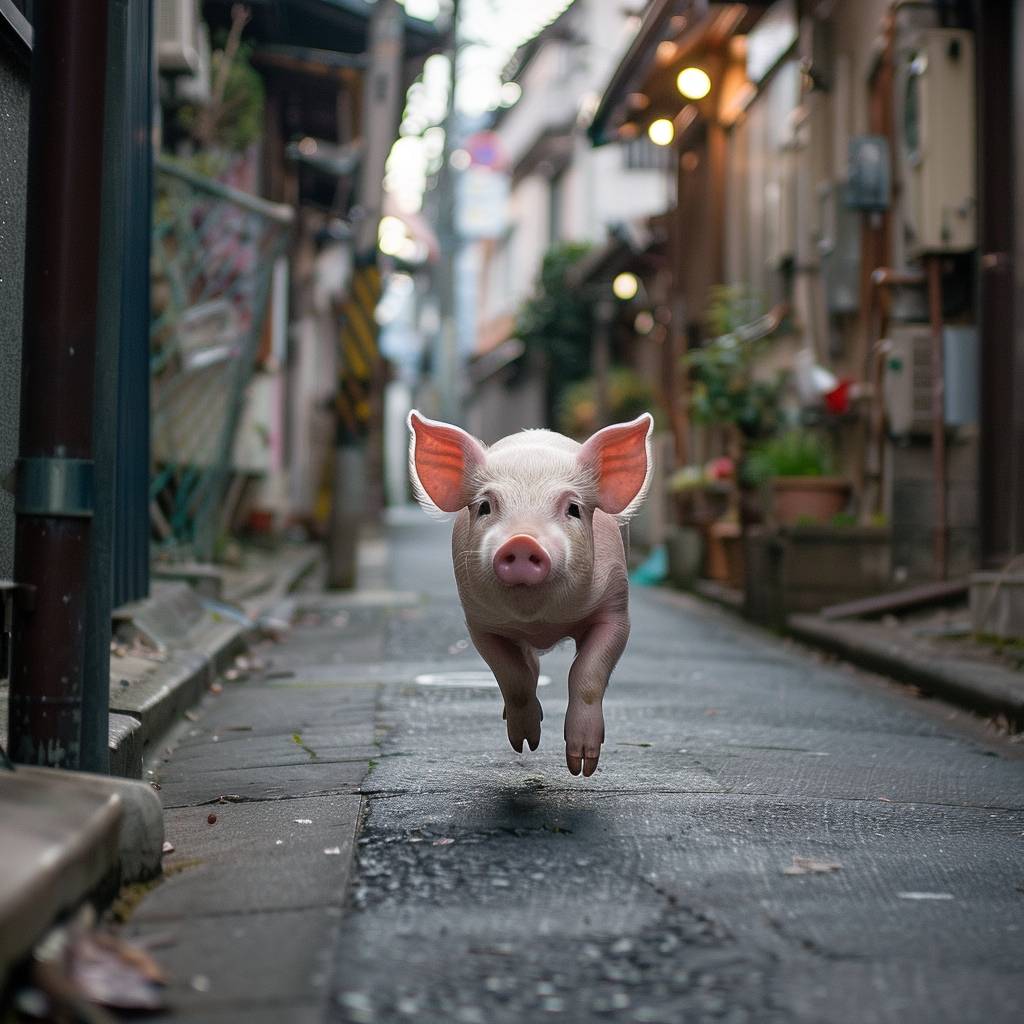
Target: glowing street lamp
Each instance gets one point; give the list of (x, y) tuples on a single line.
[(625, 286), (661, 132), (693, 83)]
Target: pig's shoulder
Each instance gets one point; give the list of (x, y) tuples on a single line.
[(536, 439)]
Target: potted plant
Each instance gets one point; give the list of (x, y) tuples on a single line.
[(798, 470)]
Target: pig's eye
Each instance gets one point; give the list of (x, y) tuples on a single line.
[(573, 510), (484, 509)]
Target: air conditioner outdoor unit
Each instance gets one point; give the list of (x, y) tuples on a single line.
[(907, 385), (177, 37), (938, 141)]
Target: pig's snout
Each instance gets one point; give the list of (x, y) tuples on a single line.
[(521, 560)]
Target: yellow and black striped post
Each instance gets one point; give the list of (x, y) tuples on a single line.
[(359, 354)]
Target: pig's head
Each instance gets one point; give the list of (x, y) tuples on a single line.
[(524, 539)]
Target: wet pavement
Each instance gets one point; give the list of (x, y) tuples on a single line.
[(489, 886)]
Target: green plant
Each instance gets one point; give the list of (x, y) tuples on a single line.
[(232, 119), (794, 453), (843, 520), (628, 396), (725, 390), (557, 321), (731, 306)]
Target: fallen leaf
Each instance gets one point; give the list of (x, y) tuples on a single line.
[(110, 972), (810, 866), (446, 841), (216, 688), (192, 716)]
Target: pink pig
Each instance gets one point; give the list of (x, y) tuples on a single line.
[(538, 557)]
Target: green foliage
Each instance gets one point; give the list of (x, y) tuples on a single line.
[(730, 307), (724, 390), (628, 396), (233, 124), (794, 453), (843, 519), (557, 320)]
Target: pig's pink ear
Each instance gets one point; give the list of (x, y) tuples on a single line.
[(442, 460), (619, 456)]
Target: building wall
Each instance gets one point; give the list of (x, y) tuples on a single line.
[(782, 157), (595, 189), (14, 91)]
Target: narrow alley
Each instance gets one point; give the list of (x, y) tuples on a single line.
[(767, 837)]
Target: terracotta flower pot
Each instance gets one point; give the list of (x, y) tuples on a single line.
[(808, 499)]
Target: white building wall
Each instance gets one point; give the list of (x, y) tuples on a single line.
[(595, 190)]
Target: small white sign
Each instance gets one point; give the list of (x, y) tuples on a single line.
[(482, 210)]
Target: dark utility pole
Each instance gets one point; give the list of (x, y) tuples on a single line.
[(360, 385), (55, 475)]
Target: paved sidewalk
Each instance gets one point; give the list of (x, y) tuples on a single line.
[(493, 887)]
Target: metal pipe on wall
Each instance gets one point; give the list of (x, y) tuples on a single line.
[(938, 417), (54, 478)]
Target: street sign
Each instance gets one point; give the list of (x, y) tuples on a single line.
[(482, 209)]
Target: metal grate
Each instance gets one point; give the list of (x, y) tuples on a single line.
[(214, 249)]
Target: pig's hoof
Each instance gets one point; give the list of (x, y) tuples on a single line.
[(523, 724), (584, 734)]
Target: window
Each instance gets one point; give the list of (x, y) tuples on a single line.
[(640, 154)]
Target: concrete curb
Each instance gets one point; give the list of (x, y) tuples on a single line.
[(986, 689), (67, 836), (202, 636)]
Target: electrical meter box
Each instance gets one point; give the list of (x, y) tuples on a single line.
[(937, 141)]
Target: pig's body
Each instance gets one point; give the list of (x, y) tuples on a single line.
[(538, 560)]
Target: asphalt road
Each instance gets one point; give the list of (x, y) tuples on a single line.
[(493, 887)]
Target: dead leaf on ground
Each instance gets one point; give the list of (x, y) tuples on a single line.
[(446, 841), (82, 963), (810, 866)]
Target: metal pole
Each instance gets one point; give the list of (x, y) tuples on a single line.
[(938, 417), (54, 483), (446, 367), (381, 97)]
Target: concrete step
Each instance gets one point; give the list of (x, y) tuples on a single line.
[(66, 836)]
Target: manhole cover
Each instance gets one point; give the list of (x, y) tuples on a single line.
[(465, 680)]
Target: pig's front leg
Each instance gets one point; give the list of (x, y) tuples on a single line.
[(516, 670), (597, 654)]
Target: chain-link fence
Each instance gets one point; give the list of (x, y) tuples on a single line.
[(214, 250)]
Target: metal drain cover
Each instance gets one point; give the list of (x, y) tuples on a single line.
[(465, 680)]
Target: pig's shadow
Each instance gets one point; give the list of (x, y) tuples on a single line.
[(521, 812)]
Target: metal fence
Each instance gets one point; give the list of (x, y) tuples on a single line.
[(214, 250)]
